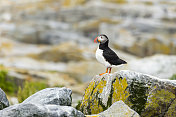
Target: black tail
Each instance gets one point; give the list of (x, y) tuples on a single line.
[(122, 61)]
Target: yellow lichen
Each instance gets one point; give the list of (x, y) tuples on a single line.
[(156, 99), (99, 87), (92, 115), (71, 3), (87, 95), (95, 106), (116, 1), (171, 110), (160, 96), (120, 92)]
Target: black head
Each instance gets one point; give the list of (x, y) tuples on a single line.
[(101, 39)]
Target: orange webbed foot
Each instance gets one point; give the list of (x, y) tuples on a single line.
[(102, 74)]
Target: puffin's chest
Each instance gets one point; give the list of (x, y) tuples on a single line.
[(100, 58)]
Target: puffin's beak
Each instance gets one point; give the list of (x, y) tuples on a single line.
[(96, 40)]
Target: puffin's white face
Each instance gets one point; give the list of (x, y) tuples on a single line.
[(101, 39)]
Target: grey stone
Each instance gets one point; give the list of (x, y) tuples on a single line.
[(37, 110), (146, 79), (50, 102), (3, 100), (56, 96), (119, 109)]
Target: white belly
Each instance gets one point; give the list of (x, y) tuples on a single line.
[(100, 58)]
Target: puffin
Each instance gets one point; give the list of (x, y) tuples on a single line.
[(106, 55)]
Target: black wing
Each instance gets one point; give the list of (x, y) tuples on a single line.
[(112, 57)]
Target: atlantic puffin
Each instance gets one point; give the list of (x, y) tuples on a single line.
[(105, 55)]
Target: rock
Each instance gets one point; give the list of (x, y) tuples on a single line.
[(138, 27), (56, 96), (64, 52), (145, 94), (33, 110), (14, 48), (50, 102), (171, 111), (26, 62), (29, 35), (118, 109), (70, 3), (3, 100), (136, 37), (55, 36), (13, 100)]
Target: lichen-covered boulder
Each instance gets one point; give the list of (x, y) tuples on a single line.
[(102, 92), (147, 95), (3, 100)]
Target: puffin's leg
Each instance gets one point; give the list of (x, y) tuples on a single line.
[(104, 73), (110, 70), (106, 70)]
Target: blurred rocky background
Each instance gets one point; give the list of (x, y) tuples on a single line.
[(49, 43)]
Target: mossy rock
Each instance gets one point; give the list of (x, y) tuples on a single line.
[(101, 93), (159, 100), (171, 110), (147, 95)]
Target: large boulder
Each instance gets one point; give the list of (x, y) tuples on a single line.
[(3, 100), (50, 102), (147, 95), (33, 110)]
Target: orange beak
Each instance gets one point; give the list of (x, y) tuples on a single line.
[(96, 40)]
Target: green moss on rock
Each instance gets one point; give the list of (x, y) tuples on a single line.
[(159, 101), (138, 96), (172, 110)]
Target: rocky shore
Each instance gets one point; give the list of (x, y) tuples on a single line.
[(49, 43), (124, 93)]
